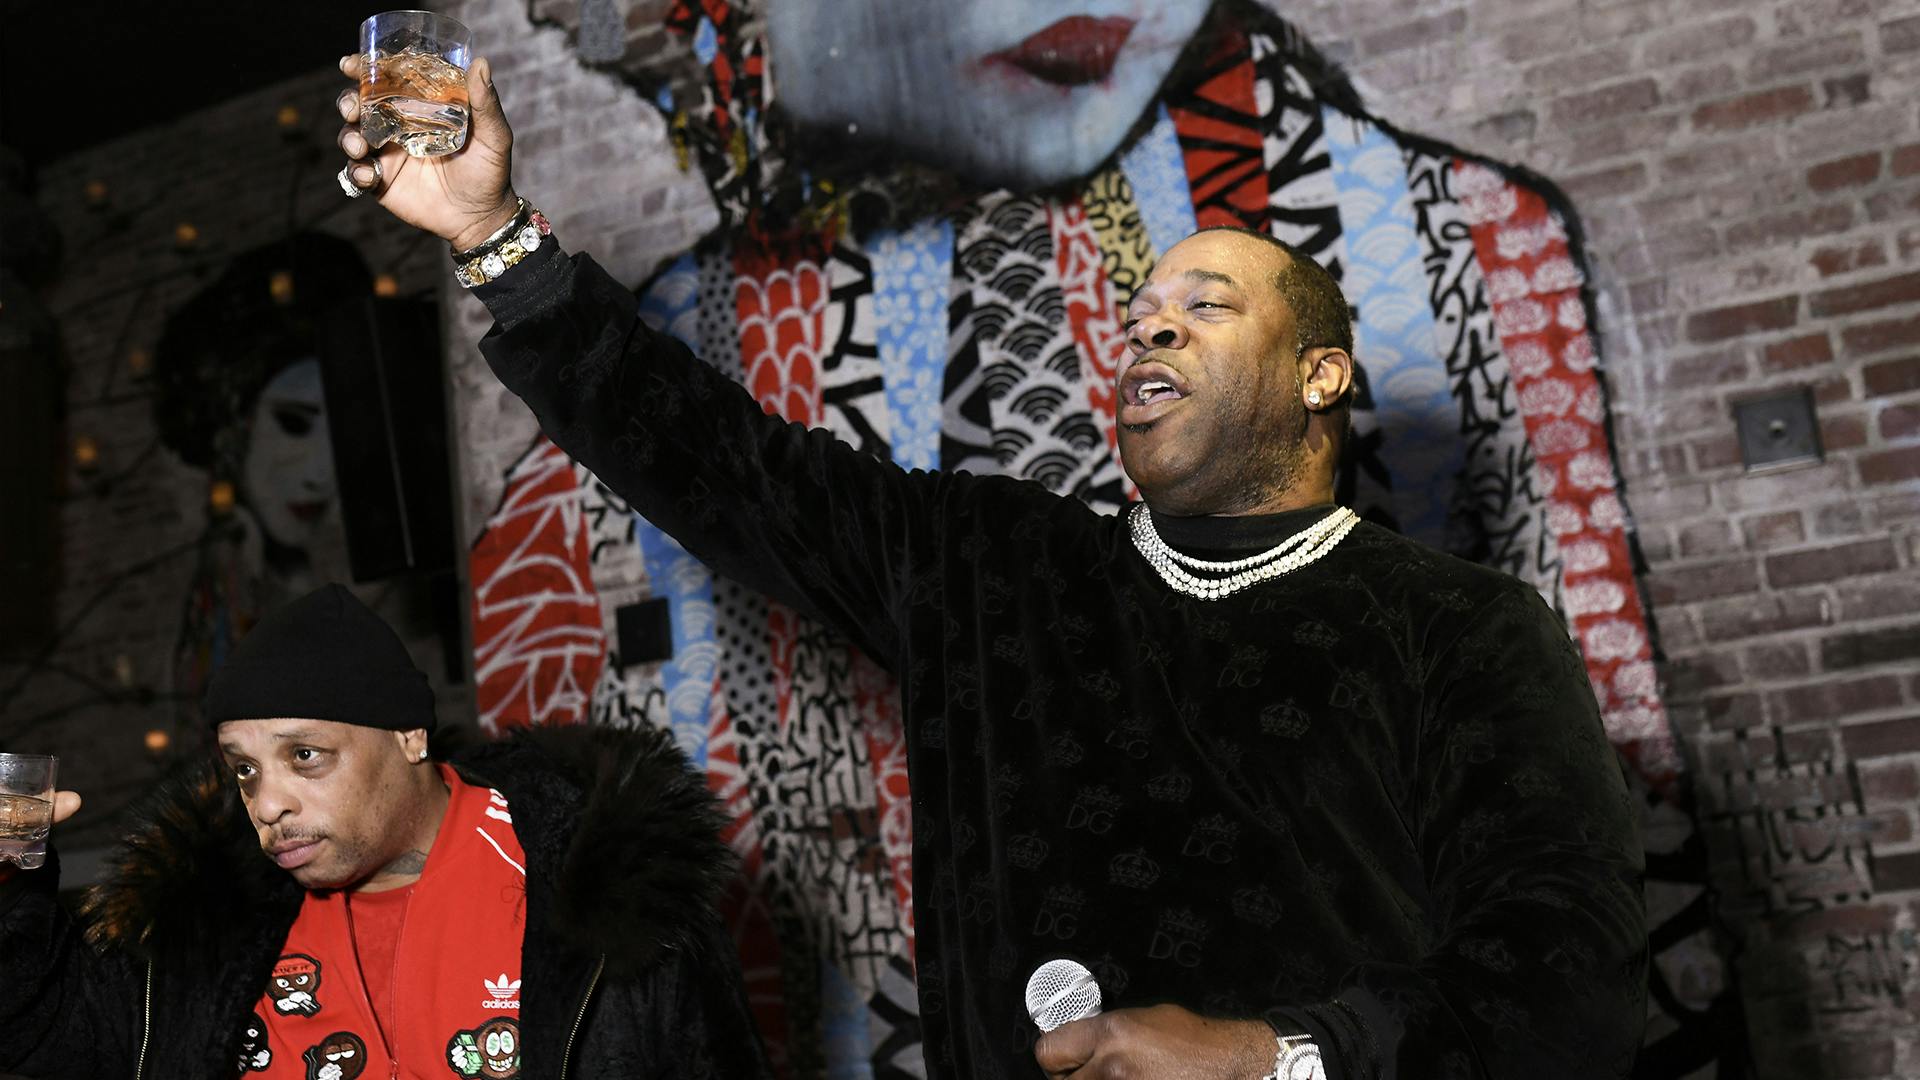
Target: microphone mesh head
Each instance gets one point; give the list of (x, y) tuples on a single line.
[(1060, 992)]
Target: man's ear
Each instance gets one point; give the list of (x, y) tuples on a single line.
[(413, 744), (1326, 375)]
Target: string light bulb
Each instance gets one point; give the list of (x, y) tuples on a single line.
[(86, 453), (288, 116), (220, 498), (280, 285), (158, 741), (95, 193), (384, 285), (186, 236)]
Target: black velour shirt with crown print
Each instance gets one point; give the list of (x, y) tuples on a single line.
[(1370, 799)]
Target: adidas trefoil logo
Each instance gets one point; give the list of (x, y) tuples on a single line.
[(502, 993)]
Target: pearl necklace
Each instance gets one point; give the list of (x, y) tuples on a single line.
[(1296, 551)]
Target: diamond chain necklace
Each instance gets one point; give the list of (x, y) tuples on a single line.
[(1296, 551)]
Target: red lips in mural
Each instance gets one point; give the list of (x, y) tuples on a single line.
[(1074, 51)]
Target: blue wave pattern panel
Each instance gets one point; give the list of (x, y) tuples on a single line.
[(1158, 173), (912, 272), (1394, 336), (671, 304)]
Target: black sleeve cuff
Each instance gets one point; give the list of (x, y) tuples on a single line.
[(529, 288), (16, 884)]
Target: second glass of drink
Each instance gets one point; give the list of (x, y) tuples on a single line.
[(26, 807)]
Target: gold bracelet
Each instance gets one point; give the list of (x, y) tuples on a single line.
[(519, 211), (504, 249)]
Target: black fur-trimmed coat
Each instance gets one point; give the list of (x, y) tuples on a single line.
[(624, 955)]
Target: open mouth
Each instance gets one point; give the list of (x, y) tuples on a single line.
[(1148, 389), (1152, 390), (1074, 51)]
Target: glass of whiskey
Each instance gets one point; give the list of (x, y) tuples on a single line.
[(26, 808), (414, 90)]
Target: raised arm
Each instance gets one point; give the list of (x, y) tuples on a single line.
[(65, 1011), (791, 512)]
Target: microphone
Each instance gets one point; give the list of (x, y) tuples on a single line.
[(1060, 992)]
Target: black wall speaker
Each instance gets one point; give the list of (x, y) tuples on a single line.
[(387, 414)]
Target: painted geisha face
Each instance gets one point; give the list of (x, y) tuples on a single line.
[(289, 465), (1017, 92)]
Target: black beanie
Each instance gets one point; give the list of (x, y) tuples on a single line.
[(325, 656)]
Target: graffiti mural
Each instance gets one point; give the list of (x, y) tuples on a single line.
[(1810, 855), (538, 642), (1861, 971), (937, 275)]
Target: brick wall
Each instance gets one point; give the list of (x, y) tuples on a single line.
[(1749, 175), (127, 529)]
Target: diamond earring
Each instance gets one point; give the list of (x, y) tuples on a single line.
[(1313, 398)]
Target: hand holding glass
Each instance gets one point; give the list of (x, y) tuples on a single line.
[(26, 808), (414, 88)]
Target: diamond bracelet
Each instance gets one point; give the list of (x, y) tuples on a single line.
[(514, 241)]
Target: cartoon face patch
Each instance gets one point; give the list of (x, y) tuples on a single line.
[(294, 981), (254, 1053), (340, 1056), (491, 1050)]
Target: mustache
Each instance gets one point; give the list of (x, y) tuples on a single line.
[(281, 838)]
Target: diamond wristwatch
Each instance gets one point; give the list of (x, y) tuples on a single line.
[(1298, 1058)]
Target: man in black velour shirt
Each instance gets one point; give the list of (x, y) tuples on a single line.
[(1316, 792)]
